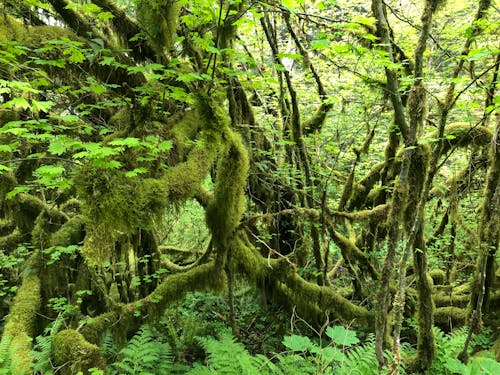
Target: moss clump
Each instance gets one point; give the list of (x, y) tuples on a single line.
[(184, 130), (225, 211), (73, 353), (450, 316), (114, 204), (14, 30), (183, 181), (70, 233), (457, 300), (438, 276)]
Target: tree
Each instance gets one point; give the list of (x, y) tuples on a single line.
[(115, 113)]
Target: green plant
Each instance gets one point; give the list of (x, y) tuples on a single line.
[(144, 354), (5, 356), (340, 356), (225, 356), (447, 348), (43, 346)]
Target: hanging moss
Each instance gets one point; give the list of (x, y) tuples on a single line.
[(159, 19), (72, 353), (14, 30), (185, 130), (115, 204), (351, 253), (11, 240), (416, 179), (311, 300), (20, 325)]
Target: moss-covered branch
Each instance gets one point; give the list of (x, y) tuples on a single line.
[(172, 288), (72, 353), (20, 325), (311, 300)]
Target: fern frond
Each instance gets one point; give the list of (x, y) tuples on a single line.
[(5, 355), (228, 357), (43, 348), (145, 353)]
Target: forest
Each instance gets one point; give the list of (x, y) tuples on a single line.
[(249, 187)]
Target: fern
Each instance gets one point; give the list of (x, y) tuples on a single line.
[(361, 359), (4, 355), (227, 357), (108, 347), (447, 347), (144, 354), (43, 348)]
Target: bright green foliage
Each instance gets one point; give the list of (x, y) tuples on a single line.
[(42, 350), (448, 347), (144, 354)]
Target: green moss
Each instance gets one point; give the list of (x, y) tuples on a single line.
[(114, 204), (462, 134), (121, 120), (185, 130), (311, 300), (416, 178), (203, 277), (14, 30), (450, 316), (183, 181), (445, 299), (225, 211), (73, 353), (70, 232), (438, 276), (159, 19), (20, 325), (11, 240)]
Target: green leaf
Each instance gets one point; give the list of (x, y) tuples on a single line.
[(105, 15), (57, 147), (165, 146), (135, 172), (97, 89), (5, 168), (129, 142), (331, 354), (297, 343), (41, 106), (17, 104), (342, 336), (91, 8), (17, 190), (5, 148), (320, 44)]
